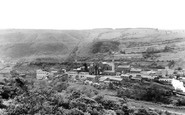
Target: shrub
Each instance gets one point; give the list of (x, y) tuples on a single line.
[(156, 93), (180, 102), (60, 86)]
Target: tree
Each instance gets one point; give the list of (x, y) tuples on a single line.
[(168, 48), (85, 67), (111, 86), (157, 93), (151, 53)]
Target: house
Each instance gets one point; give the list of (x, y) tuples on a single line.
[(162, 72), (83, 75), (115, 79), (148, 77), (91, 77), (95, 69), (151, 72), (125, 76), (72, 74), (170, 72), (167, 80), (137, 78), (87, 82), (118, 73), (54, 72), (103, 78), (135, 70), (106, 79), (123, 68), (133, 74), (112, 73), (63, 70), (40, 74), (109, 64)]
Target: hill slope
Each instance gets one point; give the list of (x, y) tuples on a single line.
[(16, 44)]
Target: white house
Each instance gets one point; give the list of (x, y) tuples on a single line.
[(166, 80), (83, 75), (40, 74), (72, 74), (110, 78), (135, 70)]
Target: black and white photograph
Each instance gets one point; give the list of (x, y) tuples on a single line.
[(92, 57)]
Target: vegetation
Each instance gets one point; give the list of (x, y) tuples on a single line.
[(181, 102), (151, 53), (147, 92), (43, 97), (105, 46), (169, 48)]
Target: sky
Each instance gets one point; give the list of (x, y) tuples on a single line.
[(89, 14)]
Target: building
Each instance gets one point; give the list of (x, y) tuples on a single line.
[(72, 74), (54, 72), (90, 77), (115, 79), (123, 68), (125, 76), (165, 80), (40, 74), (135, 70), (162, 72), (107, 72), (137, 78), (95, 69), (110, 79), (103, 78), (118, 73), (148, 77), (110, 68), (83, 75)]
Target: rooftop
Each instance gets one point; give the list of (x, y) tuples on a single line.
[(124, 66), (136, 69), (90, 76), (116, 78)]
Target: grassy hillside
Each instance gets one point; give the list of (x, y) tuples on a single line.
[(18, 44), (33, 43)]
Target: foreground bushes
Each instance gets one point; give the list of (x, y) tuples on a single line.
[(152, 93), (44, 98)]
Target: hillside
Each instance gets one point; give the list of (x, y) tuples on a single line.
[(16, 44)]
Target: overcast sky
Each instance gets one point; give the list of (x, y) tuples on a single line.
[(88, 14)]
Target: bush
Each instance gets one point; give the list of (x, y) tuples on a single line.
[(60, 86), (180, 102), (156, 93), (105, 46)]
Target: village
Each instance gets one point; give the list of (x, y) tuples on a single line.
[(100, 74), (115, 79)]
